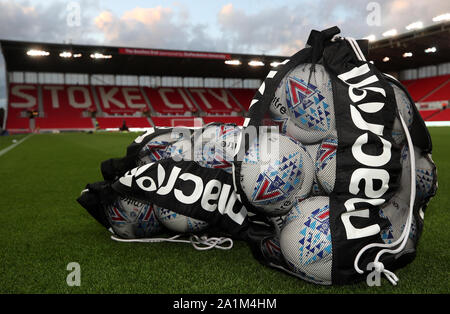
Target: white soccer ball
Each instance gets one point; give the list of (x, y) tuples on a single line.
[(325, 165), (132, 219), (308, 97), (406, 112), (178, 222), (273, 181), (156, 149), (305, 240), (278, 108), (316, 190), (216, 146), (424, 175), (396, 210), (182, 150)]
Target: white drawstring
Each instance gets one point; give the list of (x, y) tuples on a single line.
[(199, 243), (403, 239)]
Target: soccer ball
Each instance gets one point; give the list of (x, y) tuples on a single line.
[(216, 146), (273, 181), (179, 223), (278, 108), (182, 150), (156, 149), (425, 175), (305, 240), (396, 210), (308, 97), (132, 219), (316, 190), (405, 111), (326, 164)]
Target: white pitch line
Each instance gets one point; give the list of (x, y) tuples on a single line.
[(7, 149)]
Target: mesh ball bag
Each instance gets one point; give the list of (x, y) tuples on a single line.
[(373, 174)]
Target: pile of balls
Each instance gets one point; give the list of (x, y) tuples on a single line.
[(295, 184)]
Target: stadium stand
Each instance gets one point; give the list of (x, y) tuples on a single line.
[(70, 107), (441, 93), (169, 100), (424, 89), (214, 100), (243, 95), (63, 108), (428, 113), (22, 101), (441, 115), (121, 100)]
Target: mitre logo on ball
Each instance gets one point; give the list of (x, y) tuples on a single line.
[(272, 183), (130, 218), (307, 104)]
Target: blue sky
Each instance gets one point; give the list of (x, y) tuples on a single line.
[(247, 26)]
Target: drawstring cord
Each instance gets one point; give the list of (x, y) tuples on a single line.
[(201, 243), (403, 239)]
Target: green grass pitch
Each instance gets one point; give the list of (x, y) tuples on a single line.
[(43, 228)]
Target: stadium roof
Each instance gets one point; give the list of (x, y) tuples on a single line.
[(131, 61), (157, 62), (415, 42)]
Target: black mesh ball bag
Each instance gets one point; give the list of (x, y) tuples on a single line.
[(348, 186)]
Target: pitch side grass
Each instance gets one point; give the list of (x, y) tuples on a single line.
[(43, 229)]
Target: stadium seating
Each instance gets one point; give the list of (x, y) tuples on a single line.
[(22, 99), (121, 100), (425, 88), (63, 107), (214, 100), (167, 100), (442, 93), (428, 113), (243, 95), (69, 107), (443, 115)]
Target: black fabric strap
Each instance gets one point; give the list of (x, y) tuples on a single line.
[(95, 198), (115, 167)]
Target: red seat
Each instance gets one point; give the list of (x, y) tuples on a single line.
[(168, 100), (443, 93), (243, 95), (428, 113), (22, 98), (121, 99), (444, 115), (64, 106), (214, 100), (420, 88)]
